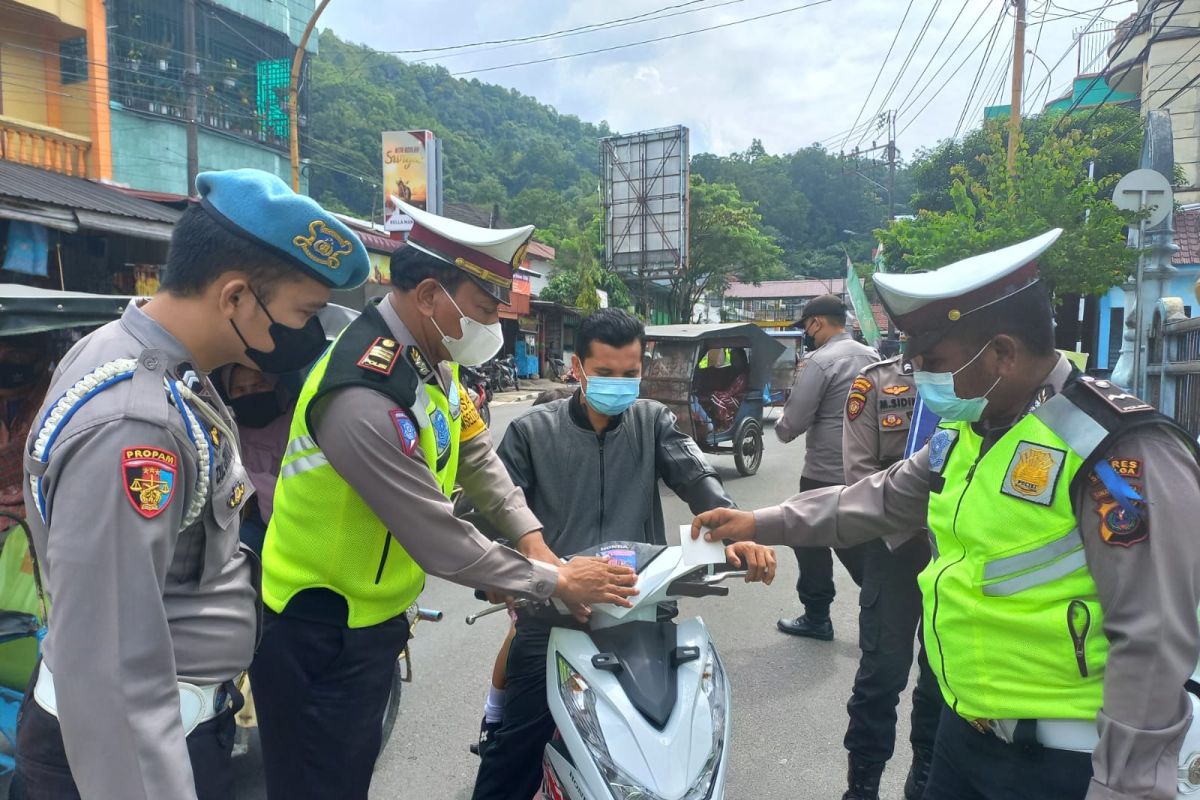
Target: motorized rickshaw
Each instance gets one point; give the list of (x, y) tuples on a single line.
[(714, 378)]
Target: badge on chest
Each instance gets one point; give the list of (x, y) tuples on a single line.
[(1033, 473)]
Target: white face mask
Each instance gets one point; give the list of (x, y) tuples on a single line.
[(478, 343)]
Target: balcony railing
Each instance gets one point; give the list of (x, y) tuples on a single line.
[(47, 148)]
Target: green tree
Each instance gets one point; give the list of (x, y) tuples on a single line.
[(1050, 189), (1113, 131), (727, 243)]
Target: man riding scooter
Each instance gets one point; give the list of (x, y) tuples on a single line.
[(602, 430)]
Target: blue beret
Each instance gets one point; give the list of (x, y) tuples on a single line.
[(259, 206)]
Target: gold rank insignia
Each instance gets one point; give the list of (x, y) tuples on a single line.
[(236, 494), (215, 434), (380, 356), (418, 361), (1033, 473)]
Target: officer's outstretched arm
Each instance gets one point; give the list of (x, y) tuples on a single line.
[(117, 495), (361, 438)]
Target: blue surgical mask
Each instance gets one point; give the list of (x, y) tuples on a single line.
[(611, 396), (937, 392)]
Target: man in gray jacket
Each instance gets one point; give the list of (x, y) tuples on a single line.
[(589, 466), (815, 407)]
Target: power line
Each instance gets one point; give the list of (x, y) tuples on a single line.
[(907, 60), (644, 41), (879, 74), (987, 54), (550, 35), (1113, 59), (571, 33), (937, 50), (1074, 43), (907, 104), (949, 77)]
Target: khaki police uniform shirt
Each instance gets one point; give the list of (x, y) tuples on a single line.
[(818, 401), (355, 430), (879, 412), (136, 605), (1149, 588)]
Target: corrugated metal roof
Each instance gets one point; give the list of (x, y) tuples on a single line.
[(781, 289), (542, 251), (49, 188), (1187, 236)]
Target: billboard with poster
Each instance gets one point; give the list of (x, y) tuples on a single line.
[(412, 172)]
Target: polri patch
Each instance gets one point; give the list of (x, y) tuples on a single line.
[(896, 390), (148, 475), (855, 403), (892, 421), (380, 356), (1120, 527), (1033, 473), (419, 362), (407, 429), (1126, 467), (940, 445)]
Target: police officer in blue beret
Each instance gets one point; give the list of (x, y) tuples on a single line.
[(135, 487)]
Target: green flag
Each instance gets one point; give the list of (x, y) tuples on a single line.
[(862, 307)]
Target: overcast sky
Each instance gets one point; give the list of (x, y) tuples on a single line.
[(791, 79)]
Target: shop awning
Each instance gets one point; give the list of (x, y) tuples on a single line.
[(69, 204), (27, 309)]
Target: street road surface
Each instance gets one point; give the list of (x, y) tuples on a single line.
[(789, 695)]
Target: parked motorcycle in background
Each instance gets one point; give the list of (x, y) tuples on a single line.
[(501, 374), (477, 386)]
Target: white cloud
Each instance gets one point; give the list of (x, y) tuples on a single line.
[(789, 80)]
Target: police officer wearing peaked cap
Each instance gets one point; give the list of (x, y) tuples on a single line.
[(383, 431), (134, 492), (1060, 603)]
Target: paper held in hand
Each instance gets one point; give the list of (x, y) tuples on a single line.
[(697, 552)]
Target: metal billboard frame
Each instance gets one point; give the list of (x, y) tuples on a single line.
[(646, 202)]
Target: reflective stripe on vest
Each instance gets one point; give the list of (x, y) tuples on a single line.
[(322, 534), (1008, 564)]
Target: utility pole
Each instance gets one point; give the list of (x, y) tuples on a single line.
[(891, 165), (190, 68), (1014, 115), (294, 95)]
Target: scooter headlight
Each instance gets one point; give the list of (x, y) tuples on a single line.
[(580, 702)]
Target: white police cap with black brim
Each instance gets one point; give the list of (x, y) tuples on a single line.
[(489, 256), (926, 305)]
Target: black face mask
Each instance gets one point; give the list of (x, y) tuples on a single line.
[(295, 348), (17, 376), (256, 410), (810, 343)]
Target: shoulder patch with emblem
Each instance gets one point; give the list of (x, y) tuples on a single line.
[(1120, 527), (855, 403), (407, 429), (898, 389), (149, 474), (1117, 398), (861, 384), (940, 445), (380, 356), (1033, 473), (418, 361)]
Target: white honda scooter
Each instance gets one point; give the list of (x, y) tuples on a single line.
[(641, 701)]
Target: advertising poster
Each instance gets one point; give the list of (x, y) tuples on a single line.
[(410, 173)]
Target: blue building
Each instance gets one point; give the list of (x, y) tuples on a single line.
[(1111, 309)]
